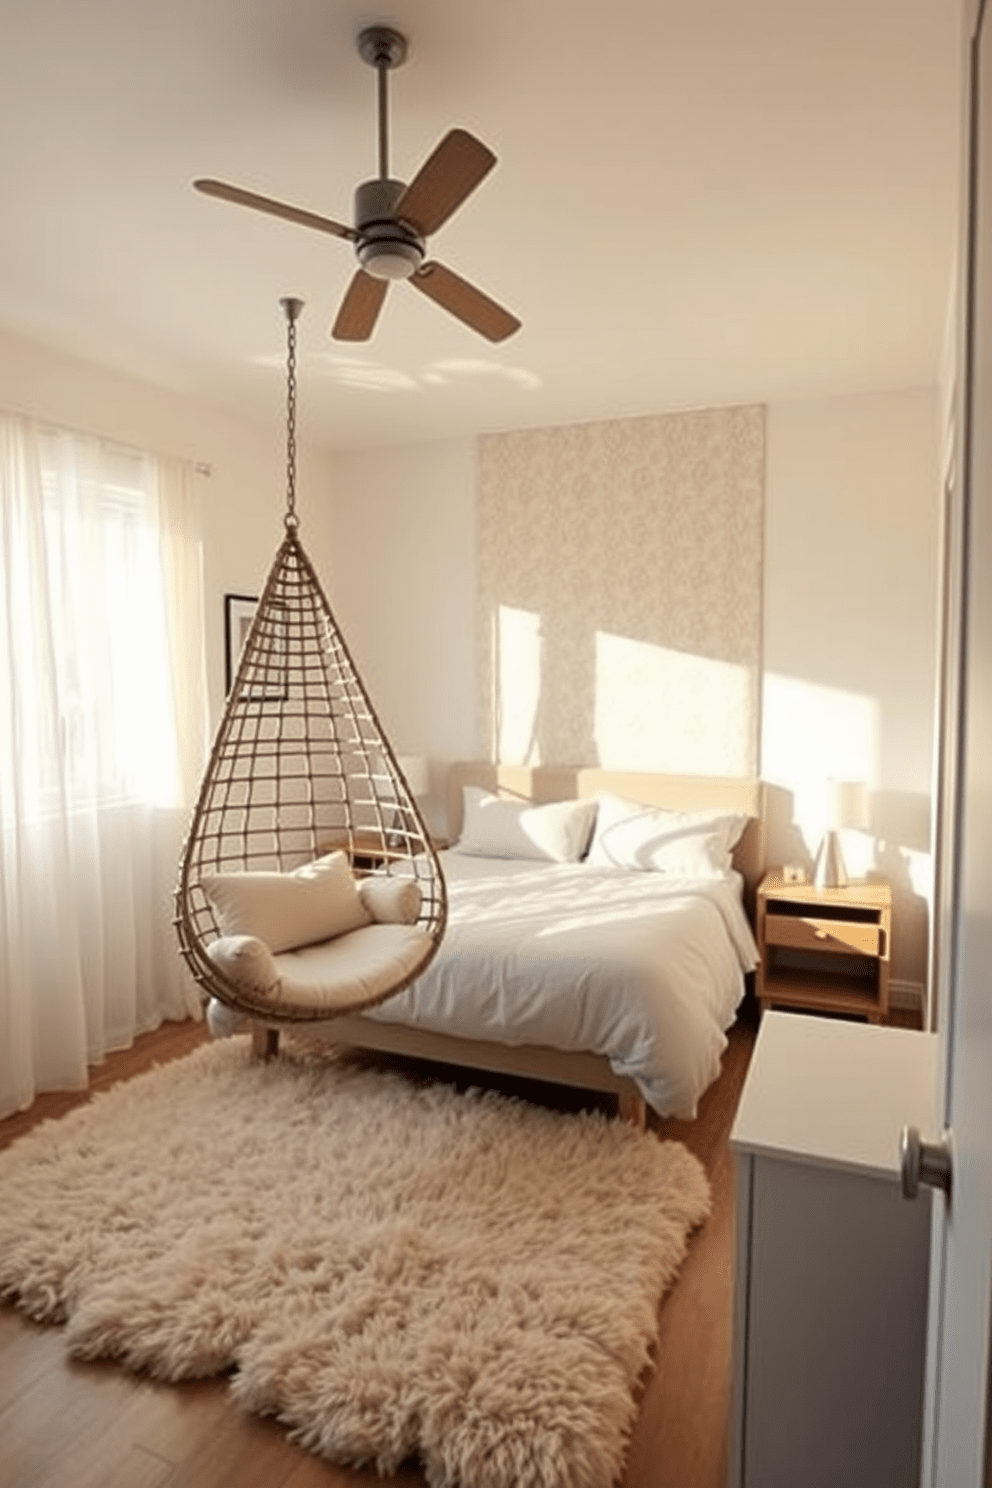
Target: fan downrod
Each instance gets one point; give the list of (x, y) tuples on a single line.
[(381, 46)]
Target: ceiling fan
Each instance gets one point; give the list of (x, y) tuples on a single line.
[(393, 220)]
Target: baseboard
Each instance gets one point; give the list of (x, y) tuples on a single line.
[(908, 997)]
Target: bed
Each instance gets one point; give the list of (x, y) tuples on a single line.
[(584, 972)]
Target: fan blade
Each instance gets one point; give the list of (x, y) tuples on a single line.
[(444, 180), (359, 310), (244, 198), (464, 301)]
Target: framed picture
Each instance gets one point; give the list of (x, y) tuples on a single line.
[(239, 612)]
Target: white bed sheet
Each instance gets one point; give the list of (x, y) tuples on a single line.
[(643, 969)]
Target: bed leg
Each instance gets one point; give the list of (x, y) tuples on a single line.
[(264, 1041), (632, 1109)]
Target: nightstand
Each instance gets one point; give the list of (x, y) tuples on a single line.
[(369, 851), (825, 949)]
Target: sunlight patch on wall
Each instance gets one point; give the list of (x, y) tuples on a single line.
[(814, 734), (658, 708), (516, 668), (818, 733)]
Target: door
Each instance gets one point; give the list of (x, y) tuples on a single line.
[(956, 1413)]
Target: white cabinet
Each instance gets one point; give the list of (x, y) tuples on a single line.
[(832, 1262)]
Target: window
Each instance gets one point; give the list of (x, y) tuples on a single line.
[(88, 661)]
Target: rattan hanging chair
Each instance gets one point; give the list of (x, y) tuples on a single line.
[(299, 774)]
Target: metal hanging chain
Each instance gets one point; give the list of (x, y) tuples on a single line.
[(292, 308)]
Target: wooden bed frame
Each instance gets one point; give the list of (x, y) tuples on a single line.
[(586, 1071)]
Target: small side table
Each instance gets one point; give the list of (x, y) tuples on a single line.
[(368, 851), (825, 949)]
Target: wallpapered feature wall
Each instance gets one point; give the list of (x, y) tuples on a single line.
[(620, 585)]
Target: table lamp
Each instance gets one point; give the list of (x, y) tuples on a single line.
[(845, 806)]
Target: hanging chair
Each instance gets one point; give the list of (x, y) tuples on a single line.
[(308, 884)]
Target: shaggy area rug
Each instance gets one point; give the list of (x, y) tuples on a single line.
[(392, 1269)]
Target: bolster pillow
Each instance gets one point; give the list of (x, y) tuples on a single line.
[(247, 962), (391, 901)]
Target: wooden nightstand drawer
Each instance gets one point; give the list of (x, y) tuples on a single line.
[(809, 934), (825, 949)]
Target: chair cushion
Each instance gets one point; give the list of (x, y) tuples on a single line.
[(345, 974)]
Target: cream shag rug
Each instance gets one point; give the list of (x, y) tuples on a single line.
[(394, 1270)]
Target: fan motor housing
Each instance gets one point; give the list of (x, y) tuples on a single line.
[(387, 248)]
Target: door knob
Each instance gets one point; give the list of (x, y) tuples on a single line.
[(924, 1162)]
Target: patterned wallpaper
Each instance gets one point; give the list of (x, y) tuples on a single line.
[(620, 583)]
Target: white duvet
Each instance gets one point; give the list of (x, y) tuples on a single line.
[(644, 969)]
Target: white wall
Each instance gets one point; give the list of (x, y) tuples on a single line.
[(849, 619), (243, 497), (851, 544), (403, 592)]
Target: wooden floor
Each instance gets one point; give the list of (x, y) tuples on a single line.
[(65, 1424)]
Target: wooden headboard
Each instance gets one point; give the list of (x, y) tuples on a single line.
[(671, 792)]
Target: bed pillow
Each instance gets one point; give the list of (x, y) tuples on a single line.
[(497, 828), (684, 844), (287, 910)]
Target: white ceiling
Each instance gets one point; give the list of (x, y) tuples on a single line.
[(696, 201)]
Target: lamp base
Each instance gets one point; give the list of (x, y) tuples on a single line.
[(830, 872)]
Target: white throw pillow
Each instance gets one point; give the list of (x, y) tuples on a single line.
[(497, 828), (684, 844), (286, 910)]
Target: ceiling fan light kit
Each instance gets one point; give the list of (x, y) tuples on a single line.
[(386, 247), (393, 220)]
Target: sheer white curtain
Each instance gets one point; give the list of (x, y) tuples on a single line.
[(102, 736)]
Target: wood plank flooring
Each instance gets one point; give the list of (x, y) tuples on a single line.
[(66, 1424)]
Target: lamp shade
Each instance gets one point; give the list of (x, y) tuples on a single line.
[(845, 805)]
